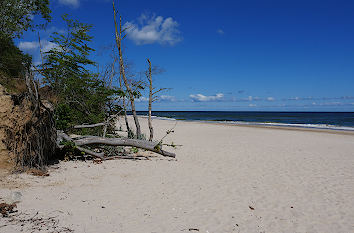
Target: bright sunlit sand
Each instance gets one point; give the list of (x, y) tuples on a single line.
[(225, 179)]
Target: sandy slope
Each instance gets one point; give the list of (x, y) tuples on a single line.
[(225, 179)]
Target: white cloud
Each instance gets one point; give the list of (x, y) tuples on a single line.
[(142, 99), (220, 31), (162, 98), (34, 45), (203, 98), (167, 98), (153, 29), (28, 45), (252, 105), (250, 98), (47, 45), (72, 3), (300, 98), (270, 98), (52, 29)]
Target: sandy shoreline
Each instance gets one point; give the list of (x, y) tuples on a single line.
[(225, 179)]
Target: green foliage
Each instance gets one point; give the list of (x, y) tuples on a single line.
[(142, 137), (158, 146), (113, 150), (63, 116), (131, 134), (12, 61), (82, 96), (16, 16), (70, 151), (68, 144), (134, 150), (97, 131), (68, 62)]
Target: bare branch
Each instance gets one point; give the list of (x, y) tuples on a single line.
[(90, 152), (161, 89)]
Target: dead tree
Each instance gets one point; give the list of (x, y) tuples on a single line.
[(93, 140), (119, 36), (109, 118), (152, 98), (124, 106), (149, 76)]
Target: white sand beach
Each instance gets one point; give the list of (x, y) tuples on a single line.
[(224, 179)]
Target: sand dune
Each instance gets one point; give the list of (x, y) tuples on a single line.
[(225, 179)]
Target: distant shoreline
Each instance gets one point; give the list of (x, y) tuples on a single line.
[(314, 128)]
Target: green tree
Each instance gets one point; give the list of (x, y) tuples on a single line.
[(12, 61), (81, 95), (17, 16)]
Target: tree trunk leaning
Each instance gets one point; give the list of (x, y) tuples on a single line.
[(118, 37), (150, 102)]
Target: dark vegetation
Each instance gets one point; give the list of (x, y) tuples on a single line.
[(15, 18)]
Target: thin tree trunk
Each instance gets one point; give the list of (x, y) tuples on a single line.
[(105, 128), (119, 38), (112, 72), (136, 120), (109, 102), (124, 106), (150, 102)]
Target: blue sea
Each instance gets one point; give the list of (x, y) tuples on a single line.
[(323, 120)]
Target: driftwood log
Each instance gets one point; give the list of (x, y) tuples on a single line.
[(125, 142), (92, 140), (89, 126)]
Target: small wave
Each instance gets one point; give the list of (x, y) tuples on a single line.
[(313, 126), (159, 118)]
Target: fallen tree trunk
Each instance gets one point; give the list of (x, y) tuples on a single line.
[(89, 126), (90, 140), (62, 135), (124, 142)]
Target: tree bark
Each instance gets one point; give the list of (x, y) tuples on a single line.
[(61, 135), (90, 152), (150, 102), (112, 142), (118, 36), (105, 129), (89, 126), (124, 105), (124, 142)]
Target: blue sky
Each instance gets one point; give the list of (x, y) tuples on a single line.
[(229, 55)]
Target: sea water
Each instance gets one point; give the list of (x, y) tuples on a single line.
[(323, 120)]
